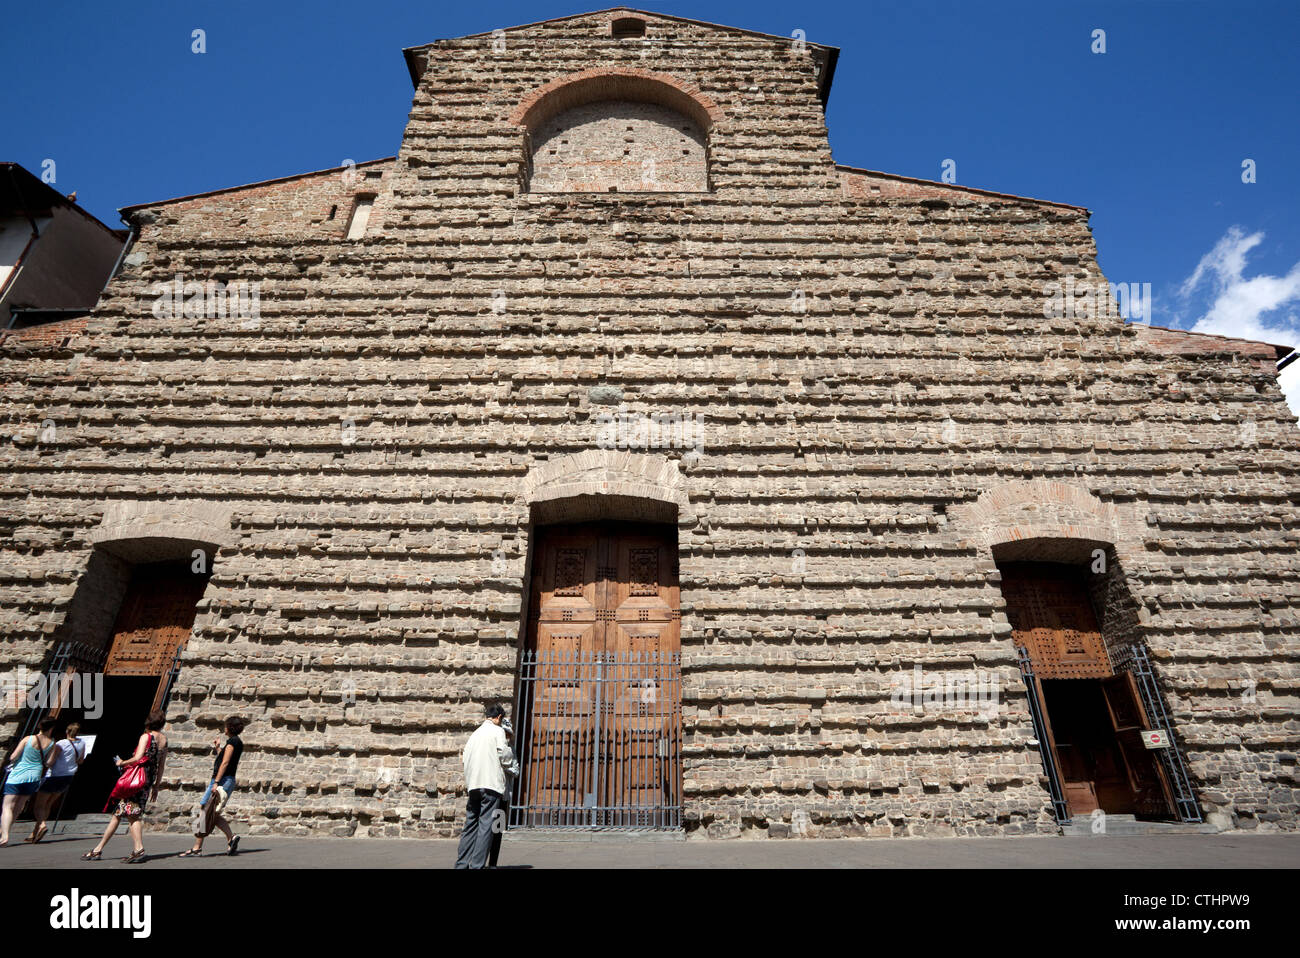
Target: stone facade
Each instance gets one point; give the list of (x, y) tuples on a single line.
[(886, 411)]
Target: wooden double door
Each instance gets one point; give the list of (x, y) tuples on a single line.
[(600, 681), (1093, 715)]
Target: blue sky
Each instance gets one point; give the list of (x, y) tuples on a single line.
[(1150, 135)]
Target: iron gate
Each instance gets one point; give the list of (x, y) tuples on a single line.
[(67, 659), (1060, 808), (1134, 658), (600, 741)]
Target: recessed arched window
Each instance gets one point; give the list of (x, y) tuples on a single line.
[(618, 133), (627, 27)]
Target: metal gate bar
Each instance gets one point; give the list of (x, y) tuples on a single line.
[(1059, 806), (1136, 660), (68, 657), (599, 737)]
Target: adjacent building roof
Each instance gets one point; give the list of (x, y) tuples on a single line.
[(23, 193)]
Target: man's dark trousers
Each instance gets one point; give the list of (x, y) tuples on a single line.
[(476, 839)]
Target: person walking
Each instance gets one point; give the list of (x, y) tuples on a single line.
[(224, 767), (486, 758), (503, 813), (151, 752), (30, 758), (69, 754)]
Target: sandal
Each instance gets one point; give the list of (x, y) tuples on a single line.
[(191, 853), (37, 834), (92, 856), (136, 858), (232, 846)]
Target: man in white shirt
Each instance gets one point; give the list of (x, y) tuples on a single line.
[(487, 759)]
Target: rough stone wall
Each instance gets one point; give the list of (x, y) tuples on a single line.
[(874, 369)]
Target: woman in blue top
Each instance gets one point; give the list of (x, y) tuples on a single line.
[(30, 759)]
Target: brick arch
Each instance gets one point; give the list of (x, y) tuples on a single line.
[(1040, 519), (605, 483), (615, 83)]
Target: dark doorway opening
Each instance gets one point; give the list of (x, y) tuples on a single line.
[(1093, 717), (1096, 730), (141, 658), (126, 705)]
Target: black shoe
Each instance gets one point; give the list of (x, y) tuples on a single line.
[(232, 846)]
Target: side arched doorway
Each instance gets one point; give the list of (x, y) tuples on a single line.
[(121, 643), (1100, 722), (1094, 720), (141, 659)]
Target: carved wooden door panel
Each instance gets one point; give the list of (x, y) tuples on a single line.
[(1152, 794), (1052, 618), (602, 704), (641, 710), (155, 619)]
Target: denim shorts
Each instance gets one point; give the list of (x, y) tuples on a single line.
[(227, 783), (22, 788)]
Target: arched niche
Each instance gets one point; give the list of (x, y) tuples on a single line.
[(617, 131)]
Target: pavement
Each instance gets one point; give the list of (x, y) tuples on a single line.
[(1225, 850)]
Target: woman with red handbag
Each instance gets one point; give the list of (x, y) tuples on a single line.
[(139, 782)]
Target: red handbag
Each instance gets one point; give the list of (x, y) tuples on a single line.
[(129, 782)]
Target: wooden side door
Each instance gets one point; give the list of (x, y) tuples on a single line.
[(1052, 618), (1146, 776), (155, 619)]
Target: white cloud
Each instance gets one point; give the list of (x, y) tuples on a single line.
[(1241, 306)]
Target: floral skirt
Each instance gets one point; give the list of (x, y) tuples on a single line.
[(132, 806)]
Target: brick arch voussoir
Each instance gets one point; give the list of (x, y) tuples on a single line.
[(615, 83), (1020, 511)]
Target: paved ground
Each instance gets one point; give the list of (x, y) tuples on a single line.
[(1165, 851)]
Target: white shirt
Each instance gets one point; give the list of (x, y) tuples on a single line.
[(487, 758), (66, 762)]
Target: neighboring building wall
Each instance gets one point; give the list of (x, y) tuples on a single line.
[(66, 267), (869, 365), (15, 235)]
